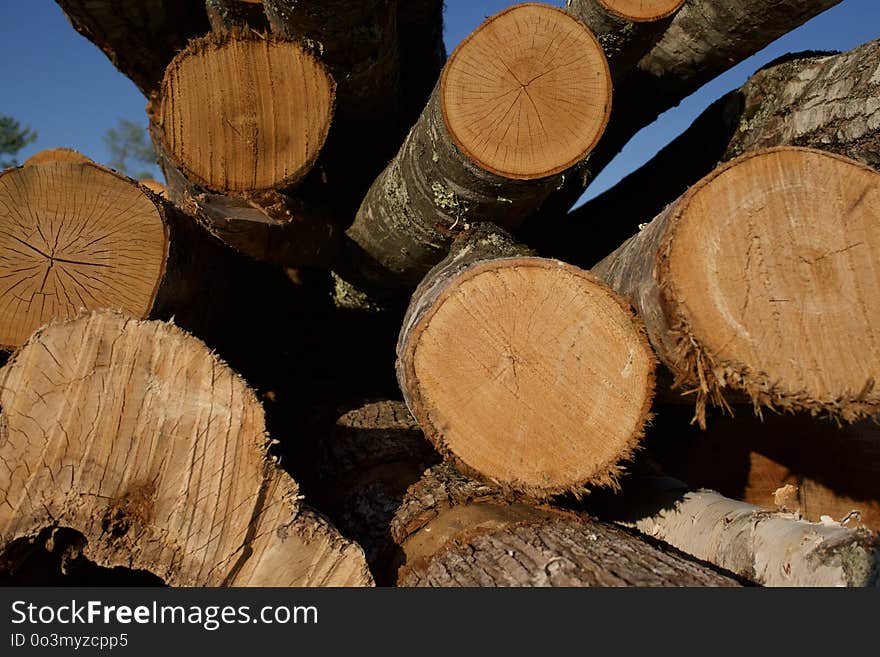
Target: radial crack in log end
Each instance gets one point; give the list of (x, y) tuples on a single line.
[(763, 279), (244, 112), (528, 372), (135, 435)]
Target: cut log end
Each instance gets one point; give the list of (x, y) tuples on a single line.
[(245, 112), (639, 11), (56, 155), (770, 266), (530, 374), (528, 94), (73, 236)]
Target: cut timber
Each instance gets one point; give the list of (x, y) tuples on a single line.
[(228, 138), (527, 372), (763, 279), (523, 98), (56, 155), (819, 101), (455, 532), (772, 549), (705, 39), (140, 38), (156, 187), (790, 462), (626, 29), (235, 14), (135, 435), (364, 465)]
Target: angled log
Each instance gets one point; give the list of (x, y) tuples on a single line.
[(705, 39), (814, 100), (140, 38), (525, 97), (137, 436), (524, 371), (762, 280), (817, 469), (229, 160), (456, 532), (768, 548)]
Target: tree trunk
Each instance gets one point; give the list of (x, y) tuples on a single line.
[(771, 549), (236, 14), (455, 532), (140, 38), (705, 39), (739, 284), (135, 435), (454, 168), (784, 104), (535, 395), (790, 463), (228, 161)]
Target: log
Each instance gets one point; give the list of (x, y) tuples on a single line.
[(362, 468), (456, 532), (761, 280), (229, 161), (524, 371), (136, 436), (813, 100), (140, 38), (524, 98), (705, 39), (768, 548), (55, 155), (789, 463), (236, 14)]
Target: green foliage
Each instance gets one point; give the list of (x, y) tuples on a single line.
[(130, 148), (12, 139)]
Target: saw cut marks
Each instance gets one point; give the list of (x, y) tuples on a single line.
[(245, 112), (775, 263), (528, 94), (74, 236), (641, 10)]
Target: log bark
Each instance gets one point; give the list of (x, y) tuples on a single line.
[(229, 162), (705, 39), (814, 100), (524, 371), (816, 469), (362, 467), (537, 116), (140, 38), (455, 532), (139, 438), (739, 284), (236, 14), (768, 548)]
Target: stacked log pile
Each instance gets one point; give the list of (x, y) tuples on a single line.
[(336, 346)]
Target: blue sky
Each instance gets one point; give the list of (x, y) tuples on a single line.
[(62, 86)]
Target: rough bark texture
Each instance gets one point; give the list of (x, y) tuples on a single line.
[(822, 101), (140, 38), (640, 271), (432, 189), (455, 532), (363, 467), (788, 463), (705, 39), (772, 549), (142, 440), (235, 14), (539, 458)]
